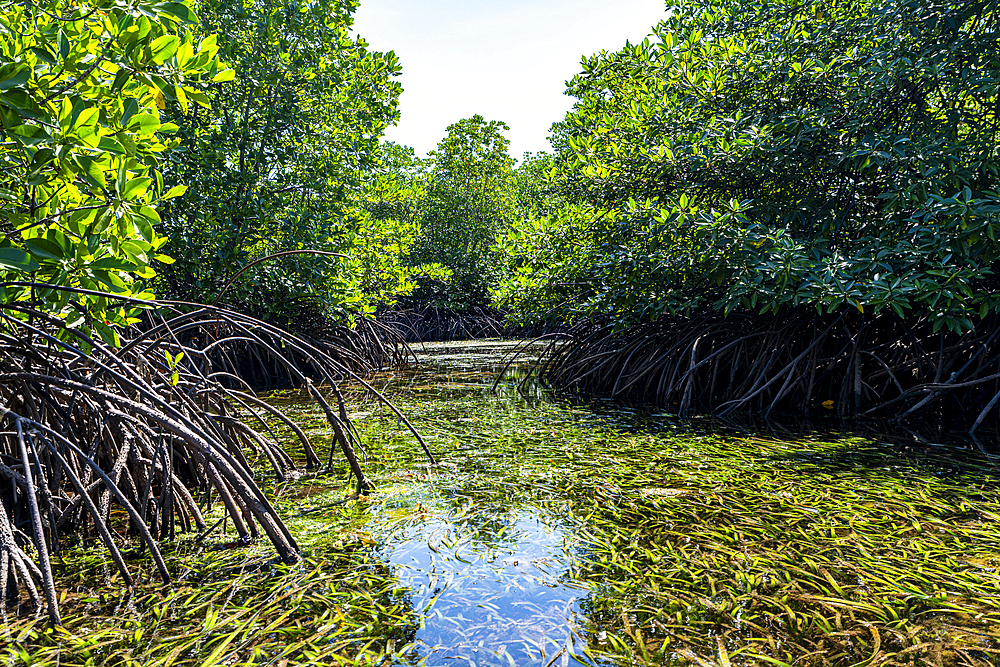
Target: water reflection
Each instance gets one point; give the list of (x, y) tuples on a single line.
[(489, 573), (491, 587)]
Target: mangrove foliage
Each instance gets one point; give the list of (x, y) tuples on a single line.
[(824, 175)]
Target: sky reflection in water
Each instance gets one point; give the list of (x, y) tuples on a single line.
[(493, 590)]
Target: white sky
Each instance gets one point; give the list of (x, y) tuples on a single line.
[(506, 60)]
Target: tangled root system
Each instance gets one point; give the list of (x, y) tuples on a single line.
[(436, 323), (797, 361), (433, 323), (147, 427)]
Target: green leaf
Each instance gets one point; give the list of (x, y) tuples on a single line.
[(224, 75), (18, 79), (23, 103), (131, 107), (178, 11), (108, 335), (181, 98), (163, 48), (136, 247), (93, 171), (145, 229), (144, 123), (111, 280), (150, 214), (87, 116), (40, 160), (43, 55), (17, 259), (175, 191), (45, 248), (200, 97), (121, 78), (109, 144), (184, 54), (135, 188), (104, 221), (63, 43), (113, 264), (74, 319), (30, 135)]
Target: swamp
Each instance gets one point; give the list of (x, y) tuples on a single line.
[(710, 378), (559, 533)]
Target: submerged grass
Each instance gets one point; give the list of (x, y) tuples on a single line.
[(231, 606), (735, 549), (557, 535)]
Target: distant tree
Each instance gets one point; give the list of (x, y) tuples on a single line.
[(397, 187), (470, 200), (393, 196)]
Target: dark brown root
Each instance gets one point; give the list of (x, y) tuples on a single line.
[(365, 348), (756, 365), (146, 427)]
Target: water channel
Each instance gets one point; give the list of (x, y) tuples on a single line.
[(560, 534)]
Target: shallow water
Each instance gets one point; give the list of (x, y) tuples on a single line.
[(489, 580), (490, 598), (559, 534), (556, 534)]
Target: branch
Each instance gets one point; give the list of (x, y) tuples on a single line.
[(277, 254)]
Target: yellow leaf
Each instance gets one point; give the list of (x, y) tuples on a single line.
[(161, 103)]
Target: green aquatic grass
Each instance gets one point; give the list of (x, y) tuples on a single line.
[(749, 550), (228, 606), (802, 562), (682, 544)]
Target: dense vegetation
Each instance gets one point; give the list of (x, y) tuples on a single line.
[(763, 159), (459, 201), (764, 206), (678, 545), (825, 176), (124, 131), (243, 131), (469, 200), (276, 160), (765, 156), (83, 142)]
